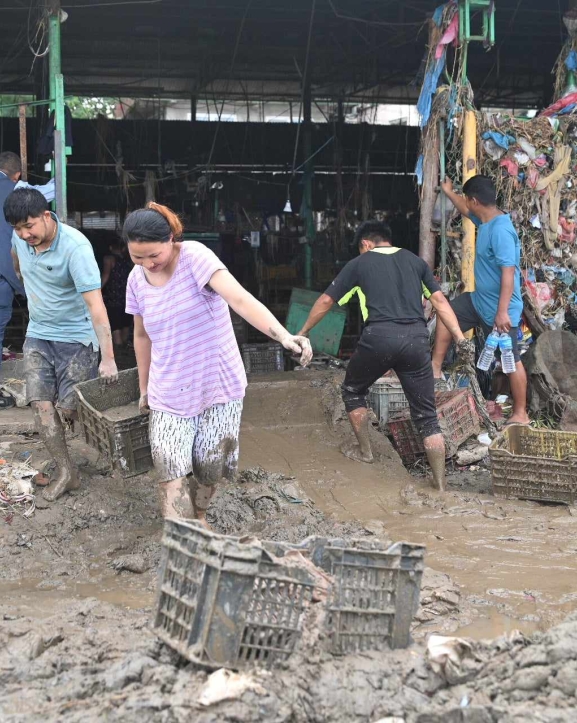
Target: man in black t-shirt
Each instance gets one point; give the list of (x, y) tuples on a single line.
[(391, 283)]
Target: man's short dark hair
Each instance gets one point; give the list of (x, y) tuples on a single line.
[(23, 203), (375, 231), (482, 188), (10, 163)]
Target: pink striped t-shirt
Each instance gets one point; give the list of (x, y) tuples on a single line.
[(195, 360)]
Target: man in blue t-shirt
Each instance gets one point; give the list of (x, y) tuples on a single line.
[(68, 326), (496, 302)]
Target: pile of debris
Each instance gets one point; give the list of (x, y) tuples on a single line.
[(534, 165), (16, 490)]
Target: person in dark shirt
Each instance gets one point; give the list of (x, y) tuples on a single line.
[(391, 283)]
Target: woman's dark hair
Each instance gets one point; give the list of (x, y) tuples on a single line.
[(24, 203), (153, 223)]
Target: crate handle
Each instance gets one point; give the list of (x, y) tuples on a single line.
[(83, 399)]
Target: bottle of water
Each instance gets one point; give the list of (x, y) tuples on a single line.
[(507, 358), (488, 353)]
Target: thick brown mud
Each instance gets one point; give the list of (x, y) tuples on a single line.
[(78, 580)]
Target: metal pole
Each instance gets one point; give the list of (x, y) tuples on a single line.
[(54, 58), (23, 144), (308, 181), (443, 202), (60, 151), (56, 85)]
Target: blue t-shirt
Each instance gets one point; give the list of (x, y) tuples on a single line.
[(54, 281), (498, 246)]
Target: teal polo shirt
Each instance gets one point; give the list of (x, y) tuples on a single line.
[(54, 281)]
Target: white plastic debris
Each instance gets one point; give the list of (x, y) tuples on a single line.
[(484, 439), (443, 650), (226, 685)]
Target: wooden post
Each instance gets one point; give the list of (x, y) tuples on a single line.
[(427, 237), (23, 144)]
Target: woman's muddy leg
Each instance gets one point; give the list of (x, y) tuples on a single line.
[(171, 441), (200, 496), (175, 499), (215, 453)]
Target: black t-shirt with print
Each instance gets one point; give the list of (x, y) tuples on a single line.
[(393, 281)]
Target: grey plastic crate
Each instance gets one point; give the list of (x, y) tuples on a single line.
[(263, 358), (375, 594), (386, 398), (124, 441), (224, 603)]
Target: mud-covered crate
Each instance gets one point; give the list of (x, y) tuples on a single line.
[(458, 419), (262, 358), (112, 424), (374, 595), (386, 397), (226, 603), (535, 464)]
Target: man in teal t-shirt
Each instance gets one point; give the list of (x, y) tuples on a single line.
[(68, 321), (496, 302)]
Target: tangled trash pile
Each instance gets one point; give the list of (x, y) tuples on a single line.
[(534, 164), (16, 490)]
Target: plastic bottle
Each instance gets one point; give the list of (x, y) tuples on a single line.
[(507, 358), (488, 353)]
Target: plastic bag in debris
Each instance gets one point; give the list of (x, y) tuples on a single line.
[(437, 216), (527, 147), (510, 165), (571, 61), (555, 323), (226, 685), (17, 479), (493, 150), (447, 654), (541, 293), (500, 139)]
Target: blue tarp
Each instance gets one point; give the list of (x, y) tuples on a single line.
[(419, 170), (502, 140), (571, 61), (425, 102)]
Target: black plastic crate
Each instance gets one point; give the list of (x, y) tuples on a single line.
[(263, 358), (222, 602), (124, 441)]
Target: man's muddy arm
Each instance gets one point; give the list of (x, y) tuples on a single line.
[(99, 316), (321, 308)]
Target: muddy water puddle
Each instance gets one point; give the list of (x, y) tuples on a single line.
[(515, 562), (36, 597)]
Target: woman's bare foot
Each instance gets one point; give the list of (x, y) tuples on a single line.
[(354, 452), (65, 482)]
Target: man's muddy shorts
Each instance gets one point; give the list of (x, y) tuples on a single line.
[(52, 368), (468, 319), (206, 444)]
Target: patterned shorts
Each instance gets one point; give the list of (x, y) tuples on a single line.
[(206, 445)]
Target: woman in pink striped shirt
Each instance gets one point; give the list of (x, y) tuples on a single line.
[(191, 374)]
